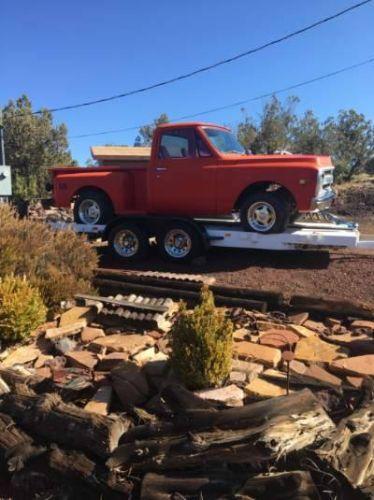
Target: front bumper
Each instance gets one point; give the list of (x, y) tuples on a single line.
[(324, 200)]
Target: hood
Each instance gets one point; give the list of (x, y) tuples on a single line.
[(313, 161)]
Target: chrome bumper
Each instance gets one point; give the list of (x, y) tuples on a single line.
[(324, 201)]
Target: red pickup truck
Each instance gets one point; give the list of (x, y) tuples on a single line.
[(198, 170)]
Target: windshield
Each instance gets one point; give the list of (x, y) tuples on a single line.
[(224, 141)]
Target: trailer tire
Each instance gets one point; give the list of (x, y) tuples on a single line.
[(92, 206), (179, 242), (265, 212), (128, 242)]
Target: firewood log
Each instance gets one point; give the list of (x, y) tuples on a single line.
[(251, 434), (49, 418), (16, 447)]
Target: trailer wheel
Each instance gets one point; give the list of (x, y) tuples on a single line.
[(92, 207), (265, 212), (179, 242), (128, 242)]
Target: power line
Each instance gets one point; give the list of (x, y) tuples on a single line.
[(238, 103), (211, 66)]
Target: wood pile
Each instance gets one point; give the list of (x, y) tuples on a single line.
[(91, 408)]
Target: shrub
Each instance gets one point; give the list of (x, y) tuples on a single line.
[(59, 263), (21, 308), (201, 343)]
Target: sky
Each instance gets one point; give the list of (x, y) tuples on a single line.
[(62, 53)]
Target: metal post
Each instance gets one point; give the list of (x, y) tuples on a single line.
[(2, 147)]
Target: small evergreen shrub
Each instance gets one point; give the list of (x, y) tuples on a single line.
[(201, 343), (59, 263), (21, 308)]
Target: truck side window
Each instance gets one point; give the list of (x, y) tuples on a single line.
[(201, 148), (176, 144)]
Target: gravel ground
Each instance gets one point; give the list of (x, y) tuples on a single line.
[(341, 275)]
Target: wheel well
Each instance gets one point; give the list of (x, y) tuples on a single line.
[(265, 186), (82, 190)]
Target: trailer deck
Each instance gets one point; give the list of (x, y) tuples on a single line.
[(330, 233)]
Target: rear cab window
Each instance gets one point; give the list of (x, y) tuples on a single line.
[(179, 143)]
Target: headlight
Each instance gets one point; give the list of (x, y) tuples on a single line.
[(327, 179)]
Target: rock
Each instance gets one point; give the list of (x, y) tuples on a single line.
[(302, 331), (241, 334), (252, 370), (320, 374), (356, 366), (4, 354), (357, 343), (332, 322), (268, 325), (238, 377), (4, 387), (279, 338), (21, 356), (131, 344), (110, 361), (65, 331), (82, 359), (231, 395), (44, 372), (314, 349), (65, 345), (88, 334), (355, 381), (100, 378), (163, 345), (298, 318), (262, 389), (42, 359), (155, 334), (146, 355), (77, 314), (316, 326), (364, 324), (101, 401), (338, 330), (264, 354)]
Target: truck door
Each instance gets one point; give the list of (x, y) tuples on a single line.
[(182, 177)]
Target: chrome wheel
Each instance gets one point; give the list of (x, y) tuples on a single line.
[(261, 216), (89, 211), (126, 243), (177, 243)]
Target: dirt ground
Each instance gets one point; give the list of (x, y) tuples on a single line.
[(341, 274)]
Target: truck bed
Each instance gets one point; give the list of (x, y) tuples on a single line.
[(125, 185)]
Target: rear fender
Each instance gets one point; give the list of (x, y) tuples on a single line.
[(115, 185)]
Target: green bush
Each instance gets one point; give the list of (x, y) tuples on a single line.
[(59, 263), (201, 343), (21, 308)]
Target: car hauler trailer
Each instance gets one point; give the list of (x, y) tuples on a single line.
[(182, 239)]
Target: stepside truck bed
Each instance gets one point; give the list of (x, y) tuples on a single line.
[(125, 185)]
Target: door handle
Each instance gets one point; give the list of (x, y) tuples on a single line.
[(161, 169)]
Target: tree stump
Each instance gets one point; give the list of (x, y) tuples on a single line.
[(350, 449)]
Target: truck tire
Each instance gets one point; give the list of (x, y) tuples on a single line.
[(179, 242), (128, 242), (92, 207), (265, 212)]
